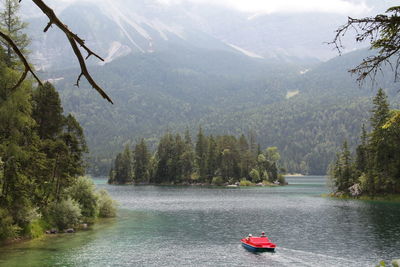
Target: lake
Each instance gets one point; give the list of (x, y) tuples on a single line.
[(202, 226)]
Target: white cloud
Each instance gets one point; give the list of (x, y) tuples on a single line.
[(285, 6)]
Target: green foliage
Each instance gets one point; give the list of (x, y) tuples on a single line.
[(217, 180), (281, 179), (64, 214), (141, 159), (47, 112), (83, 192), (245, 182), (254, 175), (36, 228), (377, 165), (7, 228), (107, 206), (122, 172)]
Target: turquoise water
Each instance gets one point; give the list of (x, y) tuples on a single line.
[(201, 226)]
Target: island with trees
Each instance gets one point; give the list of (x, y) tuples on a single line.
[(212, 160)]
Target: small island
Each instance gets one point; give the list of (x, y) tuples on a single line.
[(221, 160), (374, 171)]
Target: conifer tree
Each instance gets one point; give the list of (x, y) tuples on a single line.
[(212, 155), (362, 151), (141, 158), (123, 167), (201, 154), (11, 25), (47, 111), (187, 157), (379, 146)]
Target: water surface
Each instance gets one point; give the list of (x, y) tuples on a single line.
[(202, 226)]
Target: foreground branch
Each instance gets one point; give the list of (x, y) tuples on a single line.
[(27, 68), (383, 33), (74, 40)]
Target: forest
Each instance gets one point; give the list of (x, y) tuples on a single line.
[(42, 153), (373, 169), (219, 160)]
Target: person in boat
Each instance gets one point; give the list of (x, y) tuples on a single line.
[(249, 236), (263, 234)]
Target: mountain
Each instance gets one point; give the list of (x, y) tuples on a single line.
[(116, 28), (172, 67), (307, 113)]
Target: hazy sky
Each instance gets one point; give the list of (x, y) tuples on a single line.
[(348, 7), (285, 6)]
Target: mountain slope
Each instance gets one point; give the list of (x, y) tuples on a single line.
[(306, 114)]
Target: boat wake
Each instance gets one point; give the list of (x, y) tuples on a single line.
[(306, 258), (293, 257)]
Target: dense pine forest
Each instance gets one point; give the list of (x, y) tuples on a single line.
[(373, 169), (42, 153), (213, 160)]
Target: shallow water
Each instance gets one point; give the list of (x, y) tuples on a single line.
[(176, 226)]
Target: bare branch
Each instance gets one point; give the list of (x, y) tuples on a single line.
[(383, 33), (27, 68), (48, 26), (74, 40), (85, 72)]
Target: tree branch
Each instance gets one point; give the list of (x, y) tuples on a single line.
[(383, 33), (27, 68), (74, 40)]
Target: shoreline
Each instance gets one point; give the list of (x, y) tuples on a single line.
[(204, 185), (379, 198), (60, 234)]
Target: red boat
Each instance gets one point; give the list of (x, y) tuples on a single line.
[(258, 244)]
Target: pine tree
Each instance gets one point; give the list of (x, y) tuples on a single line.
[(347, 168), (47, 111), (123, 167), (187, 157), (201, 154), (12, 26), (165, 152), (212, 155), (141, 158), (379, 145), (362, 152)]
